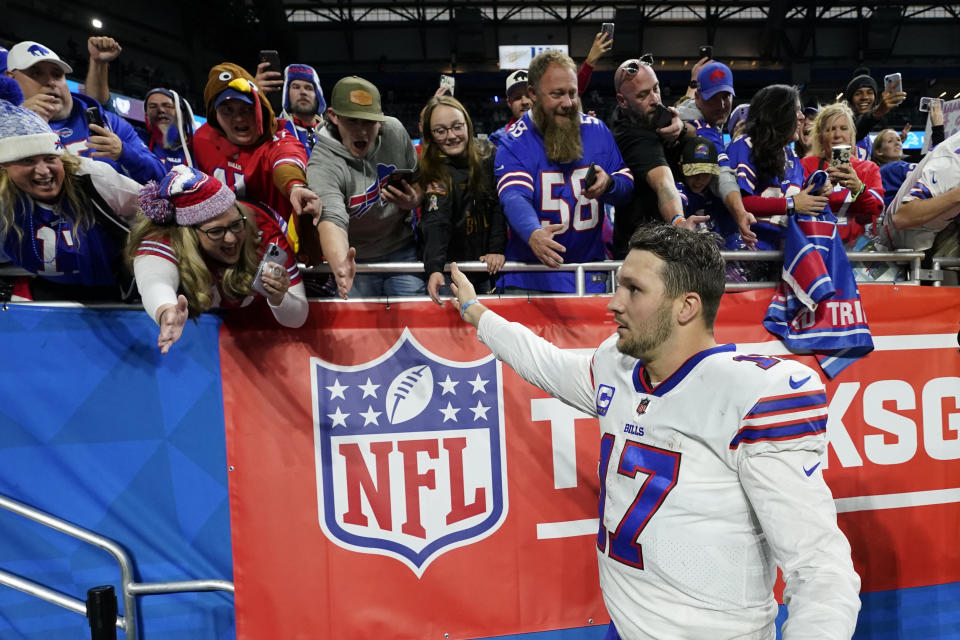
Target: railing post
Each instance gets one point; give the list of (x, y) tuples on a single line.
[(102, 613)]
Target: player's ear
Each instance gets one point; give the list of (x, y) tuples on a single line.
[(691, 308), (621, 101), (531, 93)]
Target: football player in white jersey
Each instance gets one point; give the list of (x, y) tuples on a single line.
[(709, 458)]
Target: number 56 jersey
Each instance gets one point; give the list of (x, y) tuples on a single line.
[(709, 481)]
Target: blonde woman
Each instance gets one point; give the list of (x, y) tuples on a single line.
[(198, 248), (857, 197), (62, 218)]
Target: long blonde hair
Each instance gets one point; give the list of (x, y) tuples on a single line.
[(80, 207), (196, 281), (826, 115)]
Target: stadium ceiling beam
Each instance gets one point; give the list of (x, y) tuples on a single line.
[(572, 11)]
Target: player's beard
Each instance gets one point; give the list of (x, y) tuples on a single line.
[(561, 140), (641, 342)]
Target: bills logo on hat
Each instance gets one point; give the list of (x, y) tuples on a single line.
[(39, 50), (410, 453), (701, 152)]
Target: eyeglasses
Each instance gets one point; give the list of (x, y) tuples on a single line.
[(217, 233), (441, 132)]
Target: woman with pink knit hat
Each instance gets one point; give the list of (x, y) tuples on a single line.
[(197, 247)]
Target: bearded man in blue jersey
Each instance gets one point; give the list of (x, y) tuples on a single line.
[(551, 197)]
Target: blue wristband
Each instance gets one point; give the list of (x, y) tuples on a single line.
[(466, 305)]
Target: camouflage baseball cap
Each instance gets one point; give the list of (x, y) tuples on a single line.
[(354, 97)]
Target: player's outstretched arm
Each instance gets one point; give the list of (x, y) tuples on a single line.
[(560, 373)]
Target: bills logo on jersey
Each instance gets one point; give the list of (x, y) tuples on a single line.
[(410, 453), (604, 398), (362, 202)]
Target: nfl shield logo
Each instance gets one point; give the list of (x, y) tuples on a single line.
[(642, 407), (410, 452)]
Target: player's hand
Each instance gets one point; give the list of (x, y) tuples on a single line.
[(806, 202), (171, 318), (268, 81), (464, 292), (494, 262), (545, 247), (434, 282), (103, 49), (690, 222), (407, 198), (344, 273), (600, 186), (305, 201), (43, 104), (276, 282), (104, 143), (671, 132)]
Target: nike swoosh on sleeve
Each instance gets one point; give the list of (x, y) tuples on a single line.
[(796, 384), (810, 471)]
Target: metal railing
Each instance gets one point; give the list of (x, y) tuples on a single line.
[(127, 622), (937, 264), (910, 258)]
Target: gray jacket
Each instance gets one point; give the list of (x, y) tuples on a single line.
[(349, 189)]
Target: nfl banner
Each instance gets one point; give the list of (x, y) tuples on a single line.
[(432, 428), (389, 479)]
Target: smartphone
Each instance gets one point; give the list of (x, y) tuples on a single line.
[(706, 51), (663, 117), (274, 259), (94, 116), (840, 154), (607, 28), (926, 102), (893, 82), (591, 176), (448, 82), (397, 175), (272, 58)]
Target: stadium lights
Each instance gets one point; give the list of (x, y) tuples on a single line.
[(839, 95), (956, 95), (97, 24), (942, 93)]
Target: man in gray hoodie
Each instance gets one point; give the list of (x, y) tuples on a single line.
[(367, 217)]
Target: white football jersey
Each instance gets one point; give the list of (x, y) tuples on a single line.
[(708, 482)]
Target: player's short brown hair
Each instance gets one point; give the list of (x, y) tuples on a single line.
[(692, 262)]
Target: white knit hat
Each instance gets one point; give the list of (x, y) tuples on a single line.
[(23, 134)]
